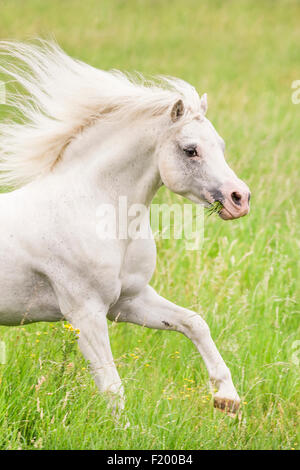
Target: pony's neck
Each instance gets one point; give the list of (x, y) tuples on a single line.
[(116, 161)]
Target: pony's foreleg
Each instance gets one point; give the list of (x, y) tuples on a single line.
[(153, 311), (95, 346)]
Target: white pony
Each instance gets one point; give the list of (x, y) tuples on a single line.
[(84, 137)]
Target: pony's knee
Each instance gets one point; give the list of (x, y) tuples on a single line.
[(194, 326)]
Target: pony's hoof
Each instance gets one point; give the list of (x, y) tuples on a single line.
[(227, 405)]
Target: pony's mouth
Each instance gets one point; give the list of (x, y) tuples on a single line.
[(215, 207), (225, 214), (218, 207), (229, 201)]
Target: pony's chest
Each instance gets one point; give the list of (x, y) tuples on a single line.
[(138, 266)]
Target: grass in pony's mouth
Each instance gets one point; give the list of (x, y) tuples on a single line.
[(214, 208)]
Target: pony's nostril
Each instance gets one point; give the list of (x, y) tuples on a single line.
[(236, 197)]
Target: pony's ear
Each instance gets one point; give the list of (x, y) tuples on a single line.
[(177, 110), (203, 103)]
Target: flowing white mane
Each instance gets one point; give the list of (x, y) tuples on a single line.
[(62, 96)]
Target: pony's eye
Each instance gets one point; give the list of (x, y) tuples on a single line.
[(191, 151)]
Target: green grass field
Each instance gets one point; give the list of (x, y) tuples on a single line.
[(245, 55)]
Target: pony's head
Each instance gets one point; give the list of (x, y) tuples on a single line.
[(192, 163)]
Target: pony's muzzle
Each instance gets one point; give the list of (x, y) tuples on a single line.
[(235, 200)]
